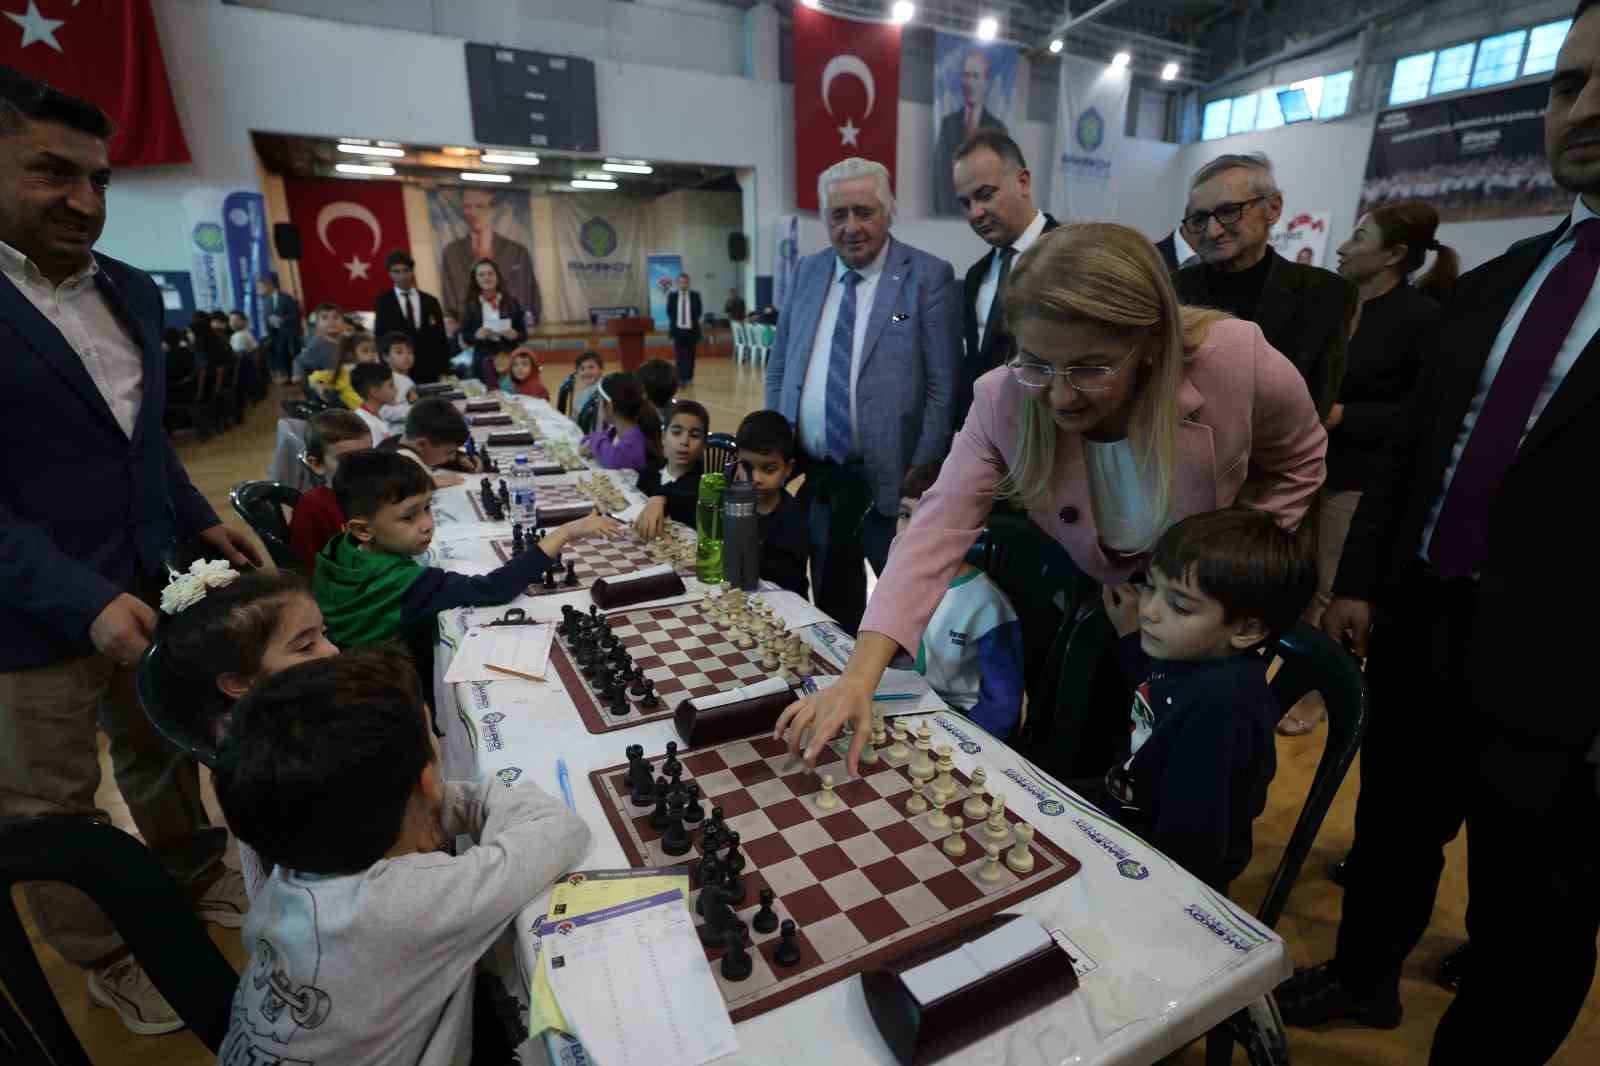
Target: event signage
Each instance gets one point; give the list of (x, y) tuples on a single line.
[(1093, 110)]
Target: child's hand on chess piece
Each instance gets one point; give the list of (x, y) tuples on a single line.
[(593, 524), (1122, 607), (652, 519)]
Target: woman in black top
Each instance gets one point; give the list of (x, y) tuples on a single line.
[(1394, 324), (491, 318)]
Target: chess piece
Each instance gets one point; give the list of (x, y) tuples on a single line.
[(504, 496), (712, 833), (640, 779), (1019, 858), (869, 754), (826, 800), (787, 953), (571, 580), (637, 690), (770, 660), (898, 752), (995, 828), (766, 919), (742, 638), (803, 667), (649, 702), (916, 804), (518, 545), (693, 813), (921, 764), (732, 882), (672, 766), (736, 964), (675, 841), (619, 703), (990, 870), (936, 817), (977, 806), (659, 817), (707, 873), (944, 786), (549, 582), (955, 845)]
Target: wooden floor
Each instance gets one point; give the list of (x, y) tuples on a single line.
[(729, 392)]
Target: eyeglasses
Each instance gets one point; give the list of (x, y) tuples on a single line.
[(1084, 379), (1225, 214)]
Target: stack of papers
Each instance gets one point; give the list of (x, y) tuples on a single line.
[(502, 653)]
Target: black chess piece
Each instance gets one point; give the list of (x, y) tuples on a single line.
[(675, 783), (639, 780), (591, 669), (707, 873), (672, 765), (736, 964), (637, 690), (504, 495), (549, 582), (619, 704), (693, 813), (659, 816), (719, 916), (569, 621), (518, 545), (649, 702), (714, 831), (571, 580), (787, 953), (675, 841), (766, 919), (733, 885)]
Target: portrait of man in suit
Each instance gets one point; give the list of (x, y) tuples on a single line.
[(958, 125), (480, 208)]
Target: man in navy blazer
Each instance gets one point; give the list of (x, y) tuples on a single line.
[(91, 495), (865, 365)]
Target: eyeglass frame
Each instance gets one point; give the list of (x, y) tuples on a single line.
[(1216, 213), (1015, 364)]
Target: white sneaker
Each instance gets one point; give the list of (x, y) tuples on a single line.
[(224, 902), (125, 988)]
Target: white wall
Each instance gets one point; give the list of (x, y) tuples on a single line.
[(696, 224)]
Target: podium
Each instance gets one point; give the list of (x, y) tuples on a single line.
[(630, 334)]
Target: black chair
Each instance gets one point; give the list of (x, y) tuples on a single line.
[(301, 409), (721, 449), (261, 504), (145, 905), (564, 394), (155, 700)]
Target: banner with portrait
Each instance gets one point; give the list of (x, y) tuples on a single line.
[(474, 223), (1092, 113), (1472, 157), (1302, 237), (974, 87), (601, 257)]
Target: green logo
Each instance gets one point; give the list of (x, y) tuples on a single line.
[(208, 237), (1091, 130), (598, 237)]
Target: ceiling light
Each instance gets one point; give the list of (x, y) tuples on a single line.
[(988, 28), (390, 144), (478, 175), (509, 159), (1120, 60), (371, 149), (628, 168), (1057, 45), (903, 12), (451, 149), (1169, 72), (383, 169), (812, 3), (584, 183)]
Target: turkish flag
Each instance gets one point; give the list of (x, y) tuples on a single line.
[(846, 95), (346, 228), (106, 51)]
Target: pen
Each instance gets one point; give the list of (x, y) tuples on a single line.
[(566, 784), (891, 697)]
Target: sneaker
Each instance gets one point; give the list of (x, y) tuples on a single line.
[(224, 901), (1315, 997), (125, 988)]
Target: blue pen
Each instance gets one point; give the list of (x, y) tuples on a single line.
[(890, 697), (566, 784)]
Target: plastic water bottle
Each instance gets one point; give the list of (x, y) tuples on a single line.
[(708, 529), (741, 560), (524, 494)]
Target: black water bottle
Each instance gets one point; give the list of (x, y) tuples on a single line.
[(741, 542)]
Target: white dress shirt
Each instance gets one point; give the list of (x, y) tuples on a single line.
[(410, 306), (77, 308), (814, 393), (683, 309), (1584, 327), (379, 428), (991, 280)]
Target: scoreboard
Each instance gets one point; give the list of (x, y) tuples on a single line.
[(532, 99)]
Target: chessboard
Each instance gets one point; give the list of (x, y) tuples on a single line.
[(597, 490), (673, 653), (588, 561), (823, 889)]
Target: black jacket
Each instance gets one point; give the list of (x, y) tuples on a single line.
[(1533, 607), (428, 341), (472, 321), (997, 347), (1304, 312), (695, 310), (785, 544)]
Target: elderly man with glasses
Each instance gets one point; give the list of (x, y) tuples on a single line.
[(1304, 311)]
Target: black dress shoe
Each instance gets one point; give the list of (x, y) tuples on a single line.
[(1315, 997), (1339, 870), (1455, 967)]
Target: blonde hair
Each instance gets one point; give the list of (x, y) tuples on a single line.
[(1111, 276)]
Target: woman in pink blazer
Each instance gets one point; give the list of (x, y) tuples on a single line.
[(1121, 414)]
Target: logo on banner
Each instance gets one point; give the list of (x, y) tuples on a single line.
[(598, 237), (1091, 131), (855, 66), (508, 775), (331, 213), (491, 730), (208, 237)]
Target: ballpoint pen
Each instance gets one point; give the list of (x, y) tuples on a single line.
[(566, 784)]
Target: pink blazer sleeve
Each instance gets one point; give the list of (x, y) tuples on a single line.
[(1288, 446)]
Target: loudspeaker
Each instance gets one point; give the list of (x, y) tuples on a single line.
[(738, 247), (286, 240)]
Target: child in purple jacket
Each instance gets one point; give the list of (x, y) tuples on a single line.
[(629, 437)]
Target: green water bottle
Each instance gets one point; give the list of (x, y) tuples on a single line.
[(708, 528)]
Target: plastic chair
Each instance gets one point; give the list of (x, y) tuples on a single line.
[(564, 394), (304, 410), (721, 449), (145, 905), (150, 684), (260, 504)]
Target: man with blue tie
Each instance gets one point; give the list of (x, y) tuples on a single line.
[(865, 365)]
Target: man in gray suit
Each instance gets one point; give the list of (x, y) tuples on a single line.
[(865, 366)]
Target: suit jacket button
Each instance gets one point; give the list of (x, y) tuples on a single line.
[(1069, 514)]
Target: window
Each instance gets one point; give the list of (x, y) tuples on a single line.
[(1453, 68), (1269, 116), (1411, 77), (1215, 123), (1543, 44), (1499, 57), (1244, 114), (1335, 94)]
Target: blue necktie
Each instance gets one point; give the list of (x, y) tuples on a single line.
[(840, 438)]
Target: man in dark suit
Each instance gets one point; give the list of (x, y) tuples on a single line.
[(957, 126), (1304, 311), (282, 312), (995, 189), (407, 309), (1174, 251), (1468, 565), (91, 495), (683, 312)]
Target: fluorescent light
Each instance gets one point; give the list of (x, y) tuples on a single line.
[(371, 149), (456, 150), (1169, 72), (988, 28), (628, 168), (478, 175), (383, 169), (584, 183), (903, 12), (1120, 60), (812, 3), (509, 160), (1057, 45)]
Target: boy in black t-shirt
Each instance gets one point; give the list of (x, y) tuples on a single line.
[(766, 442), (1201, 753)]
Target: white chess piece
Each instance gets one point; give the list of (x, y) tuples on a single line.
[(937, 818), (826, 800), (977, 806), (955, 845), (996, 828), (921, 765), (744, 639), (944, 786), (1019, 858), (769, 661), (916, 804), (869, 754), (899, 751), (990, 870)]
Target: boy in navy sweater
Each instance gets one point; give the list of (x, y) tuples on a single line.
[(1200, 751), (766, 442)]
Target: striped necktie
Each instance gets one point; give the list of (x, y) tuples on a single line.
[(841, 438)]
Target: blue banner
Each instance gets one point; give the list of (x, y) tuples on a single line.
[(661, 273), (244, 226)]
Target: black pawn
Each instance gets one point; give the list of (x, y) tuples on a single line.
[(693, 812), (736, 964), (569, 621), (637, 691), (571, 580), (766, 919), (518, 545), (707, 874), (505, 496), (549, 582), (619, 704), (787, 953), (675, 841), (659, 817), (649, 702), (672, 766)]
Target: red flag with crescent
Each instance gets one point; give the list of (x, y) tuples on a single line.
[(346, 228), (846, 95)]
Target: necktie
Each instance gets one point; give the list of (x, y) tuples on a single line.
[(1460, 539), (841, 439), (683, 309), (994, 325)]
